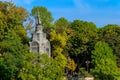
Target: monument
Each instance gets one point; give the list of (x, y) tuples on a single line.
[(39, 43)]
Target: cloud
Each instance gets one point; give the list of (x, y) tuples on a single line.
[(80, 4), (82, 7)]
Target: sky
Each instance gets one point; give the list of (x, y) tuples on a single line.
[(100, 12)]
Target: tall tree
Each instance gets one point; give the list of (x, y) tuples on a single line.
[(58, 42), (12, 19), (111, 35), (45, 15), (13, 39), (81, 43), (105, 67)]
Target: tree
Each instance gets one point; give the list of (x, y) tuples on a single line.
[(11, 28), (45, 15), (61, 22), (82, 41), (13, 40), (111, 35), (12, 54), (58, 42), (105, 67), (12, 51), (12, 19), (79, 26)]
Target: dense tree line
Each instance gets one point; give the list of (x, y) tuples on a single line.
[(72, 43)]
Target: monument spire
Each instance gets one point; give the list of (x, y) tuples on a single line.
[(38, 18), (38, 22)]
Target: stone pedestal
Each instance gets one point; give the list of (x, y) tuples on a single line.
[(89, 78)]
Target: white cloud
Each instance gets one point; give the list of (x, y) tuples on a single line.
[(82, 7), (81, 4)]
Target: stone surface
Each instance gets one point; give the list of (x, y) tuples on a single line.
[(39, 43), (89, 78)]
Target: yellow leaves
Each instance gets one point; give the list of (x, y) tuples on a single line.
[(58, 41), (1, 14), (118, 69), (71, 64), (57, 50), (59, 38), (61, 60), (2, 23), (12, 20), (52, 34), (19, 12)]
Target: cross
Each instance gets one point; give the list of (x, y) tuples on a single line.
[(87, 64)]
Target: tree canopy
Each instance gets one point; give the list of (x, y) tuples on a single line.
[(105, 67), (45, 15)]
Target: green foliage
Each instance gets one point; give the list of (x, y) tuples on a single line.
[(12, 36), (83, 72), (82, 41), (104, 62), (61, 60), (12, 51), (62, 22), (40, 67), (111, 35), (79, 26), (84, 34)]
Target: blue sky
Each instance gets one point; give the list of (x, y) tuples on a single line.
[(101, 12)]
